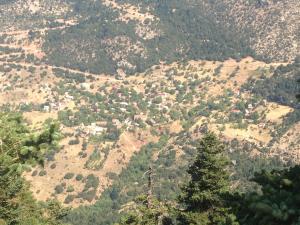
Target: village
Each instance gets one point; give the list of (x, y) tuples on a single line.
[(97, 116)]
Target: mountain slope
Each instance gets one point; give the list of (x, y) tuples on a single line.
[(181, 67)]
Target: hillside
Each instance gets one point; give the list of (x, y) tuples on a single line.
[(110, 124), (70, 35), (270, 26), (171, 30), (136, 83)]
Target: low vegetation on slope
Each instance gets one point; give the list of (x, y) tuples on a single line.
[(106, 121)]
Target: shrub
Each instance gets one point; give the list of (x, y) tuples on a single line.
[(69, 176), (53, 166), (79, 177), (70, 189), (42, 173), (74, 142), (69, 199), (34, 173), (112, 176), (88, 195), (91, 182), (59, 189), (84, 145)]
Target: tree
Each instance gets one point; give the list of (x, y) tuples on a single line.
[(20, 147), (157, 214), (149, 210), (279, 200), (205, 197)]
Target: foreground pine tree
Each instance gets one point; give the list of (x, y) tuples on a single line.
[(278, 203), (279, 200), (156, 214), (19, 148), (205, 197)]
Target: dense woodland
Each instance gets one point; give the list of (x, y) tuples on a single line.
[(280, 87), (185, 34), (180, 30)]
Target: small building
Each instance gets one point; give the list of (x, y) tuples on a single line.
[(85, 86), (46, 108)]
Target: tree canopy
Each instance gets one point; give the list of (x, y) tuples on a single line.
[(205, 196), (19, 148)]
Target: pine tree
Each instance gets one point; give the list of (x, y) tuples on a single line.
[(20, 147), (279, 200), (205, 196), (157, 214), (149, 210)]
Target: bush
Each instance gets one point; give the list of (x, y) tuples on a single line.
[(84, 146), (42, 173), (53, 166), (59, 189), (69, 176), (112, 176), (74, 142), (91, 182), (79, 177), (34, 173), (88, 195), (70, 189), (69, 199)]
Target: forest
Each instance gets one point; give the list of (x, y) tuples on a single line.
[(189, 29)]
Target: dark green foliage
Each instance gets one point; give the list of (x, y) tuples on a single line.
[(69, 176), (190, 28), (205, 196), (42, 173), (91, 182), (74, 142), (87, 195), (281, 87), (79, 177), (34, 173), (158, 213), (59, 189), (69, 199), (279, 200), (77, 77), (84, 145), (70, 189), (20, 146)]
